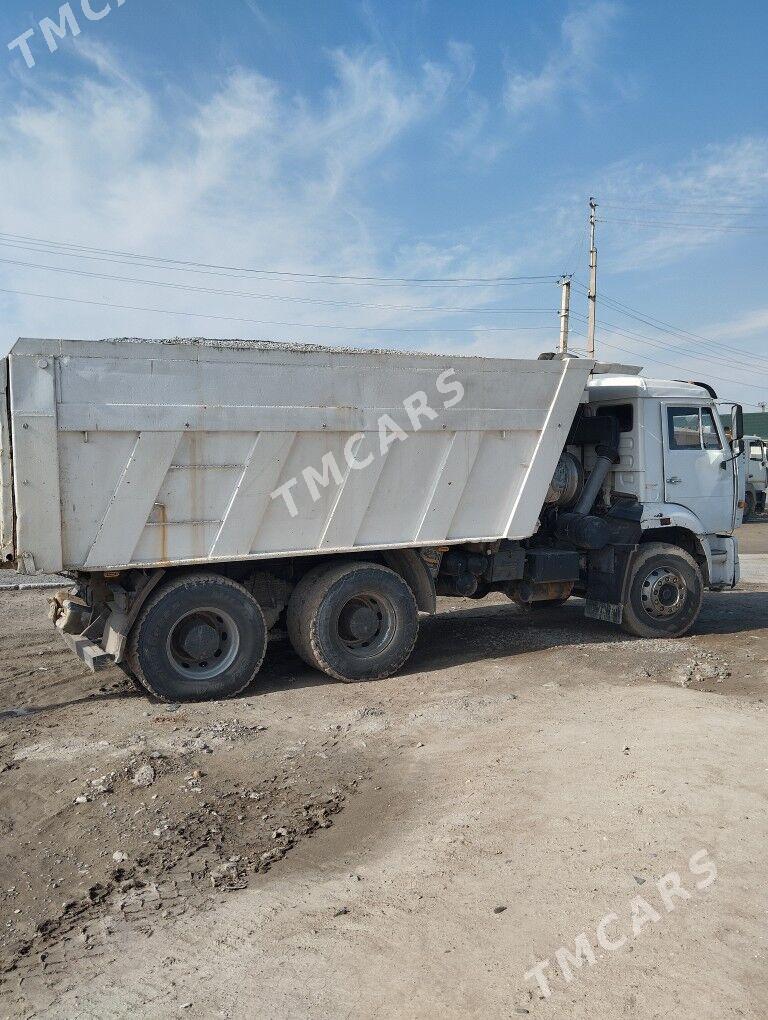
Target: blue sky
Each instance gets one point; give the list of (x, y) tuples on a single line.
[(403, 141)]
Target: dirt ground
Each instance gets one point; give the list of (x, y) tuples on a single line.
[(405, 848)]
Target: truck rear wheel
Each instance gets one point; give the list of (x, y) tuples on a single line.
[(198, 638), (354, 621), (665, 592)]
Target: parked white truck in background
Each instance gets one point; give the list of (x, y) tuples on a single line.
[(201, 493), (755, 476)]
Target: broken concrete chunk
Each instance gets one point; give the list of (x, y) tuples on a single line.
[(144, 776)]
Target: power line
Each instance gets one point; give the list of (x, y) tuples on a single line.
[(298, 276), (715, 359), (700, 210), (735, 382), (686, 226), (686, 351), (668, 364), (241, 275), (665, 327), (269, 322), (269, 297), (681, 334)]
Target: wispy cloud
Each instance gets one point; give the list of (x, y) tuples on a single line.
[(264, 21), (249, 176), (569, 68), (747, 324), (255, 175), (657, 215)]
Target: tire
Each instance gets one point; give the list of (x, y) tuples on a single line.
[(130, 675), (353, 621), (665, 592), (749, 506), (211, 612)]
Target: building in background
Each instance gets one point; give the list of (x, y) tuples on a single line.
[(755, 423)]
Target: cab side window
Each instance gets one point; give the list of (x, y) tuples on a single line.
[(709, 433), (692, 428), (683, 428), (623, 413)]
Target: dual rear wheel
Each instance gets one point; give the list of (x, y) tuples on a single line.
[(354, 621), (203, 636)]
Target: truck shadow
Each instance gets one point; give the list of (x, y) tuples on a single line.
[(455, 636), (501, 630), (468, 635)]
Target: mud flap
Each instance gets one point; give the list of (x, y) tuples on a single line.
[(607, 611), (608, 576)]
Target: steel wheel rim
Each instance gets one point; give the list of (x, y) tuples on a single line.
[(203, 643), (365, 624), (663, 592)]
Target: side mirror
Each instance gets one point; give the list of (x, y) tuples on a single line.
[(738, 447), (737, 422)]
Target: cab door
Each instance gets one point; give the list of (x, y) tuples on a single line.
[(758, 470), (696, 465)]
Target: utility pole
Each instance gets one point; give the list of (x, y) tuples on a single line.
[(592, 279), (565, 305)]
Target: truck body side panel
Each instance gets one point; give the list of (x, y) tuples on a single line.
[(35, 441), (155, 454)]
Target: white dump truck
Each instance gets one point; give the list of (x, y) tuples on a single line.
[(201, 494), (755, 476)]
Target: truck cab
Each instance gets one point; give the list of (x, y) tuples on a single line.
[(677, 466), (755, 467)]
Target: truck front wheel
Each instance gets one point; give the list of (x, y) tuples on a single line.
[(354, 621), (665, 592), (198, 638)]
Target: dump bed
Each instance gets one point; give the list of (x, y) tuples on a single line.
[(157, 453)]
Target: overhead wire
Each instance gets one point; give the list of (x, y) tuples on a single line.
[(641, 339), (137, 262), (668, 364), (269, 322), (291, 275), (716, 207), (644, 341), (272, 297), (685, 351), (667, 327), (739, 228)]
